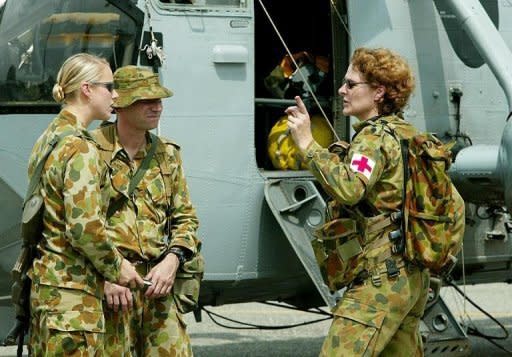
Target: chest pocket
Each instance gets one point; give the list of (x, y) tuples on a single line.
[(153, 185), (169, 171), (120, 179)]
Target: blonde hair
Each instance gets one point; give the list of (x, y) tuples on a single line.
[(79, 68), (381, 66)]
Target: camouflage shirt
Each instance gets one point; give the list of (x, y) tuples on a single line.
[(370, 175), (75, 251), (138, 228)]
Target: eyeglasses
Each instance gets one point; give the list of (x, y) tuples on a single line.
[(108, 85), (351, 84)]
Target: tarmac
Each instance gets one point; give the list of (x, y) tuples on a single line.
[(211, 340)]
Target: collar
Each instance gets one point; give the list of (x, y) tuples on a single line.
[(68, 118), (376, 119), (119, 149)]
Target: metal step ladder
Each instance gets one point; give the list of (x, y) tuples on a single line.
[(299, 208)]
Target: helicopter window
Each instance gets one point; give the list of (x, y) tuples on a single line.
[(207, 3), (36, 37)]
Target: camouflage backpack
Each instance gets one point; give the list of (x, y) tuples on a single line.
[(433, 211)]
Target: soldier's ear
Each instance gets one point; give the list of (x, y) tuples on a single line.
[(379, 94), (85, 90)]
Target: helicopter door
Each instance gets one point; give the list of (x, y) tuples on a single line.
[(300, 209)]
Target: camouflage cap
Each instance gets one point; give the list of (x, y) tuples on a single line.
[(134, 83)]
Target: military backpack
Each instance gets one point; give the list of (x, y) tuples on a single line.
[(433, 212)]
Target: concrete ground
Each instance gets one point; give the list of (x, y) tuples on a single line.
[(210, 340)]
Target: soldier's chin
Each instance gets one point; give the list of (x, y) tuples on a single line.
[(106, 116)]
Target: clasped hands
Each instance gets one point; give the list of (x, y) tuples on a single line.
[(161, 277)]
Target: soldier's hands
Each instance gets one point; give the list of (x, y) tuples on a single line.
[(117, 295), (299, 124), (162, 276), (129, 276)]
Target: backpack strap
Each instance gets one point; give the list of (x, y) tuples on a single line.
[(36, 176), (398, 237), (139, 174)]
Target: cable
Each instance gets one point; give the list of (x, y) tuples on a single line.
[(251, 326), (306, 82), (318, 310), (473, 330)]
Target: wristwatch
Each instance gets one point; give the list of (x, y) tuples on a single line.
[(177, 251)]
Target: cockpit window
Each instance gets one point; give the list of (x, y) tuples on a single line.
[(37, 36), (207, 3)]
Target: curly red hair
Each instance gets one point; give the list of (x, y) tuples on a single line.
[(381, 66)]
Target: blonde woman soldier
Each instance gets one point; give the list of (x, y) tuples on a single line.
[(75, 255)]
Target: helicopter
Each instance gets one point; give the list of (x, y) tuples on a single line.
[(234, 66)]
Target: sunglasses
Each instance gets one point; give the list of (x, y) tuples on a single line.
[(351, 84), (108, 85)]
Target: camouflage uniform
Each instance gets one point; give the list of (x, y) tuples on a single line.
[(379, 313), (67, 282), (144, 232)]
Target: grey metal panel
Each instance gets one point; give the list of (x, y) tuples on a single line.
[(299, 208)]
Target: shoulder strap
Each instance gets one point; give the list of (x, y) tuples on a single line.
[(36, 177), (398, 237), (139, 174)]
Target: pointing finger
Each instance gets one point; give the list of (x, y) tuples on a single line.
[(300, 104)]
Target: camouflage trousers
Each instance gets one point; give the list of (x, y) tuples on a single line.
[(152, 327), (65, 322), (380, 320)]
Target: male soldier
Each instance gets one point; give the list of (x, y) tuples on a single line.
[(154, 226)]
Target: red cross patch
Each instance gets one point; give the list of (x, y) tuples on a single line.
[(362, 164)]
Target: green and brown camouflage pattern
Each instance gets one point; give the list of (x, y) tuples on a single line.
[(152, 327), (356, 196), (75, 251), (380, 321), (65, 322), (379, 195), (338, 267), (187, 283), (133, 83), (144, 229), (138, 229), (434, 209)]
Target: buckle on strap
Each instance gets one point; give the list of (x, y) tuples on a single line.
[(376, 279), (391, 269), (396, 217)]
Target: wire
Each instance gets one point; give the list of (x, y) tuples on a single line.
[(473, 330), (251, 326), (306, 82), (318, 310), (343, 23)]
